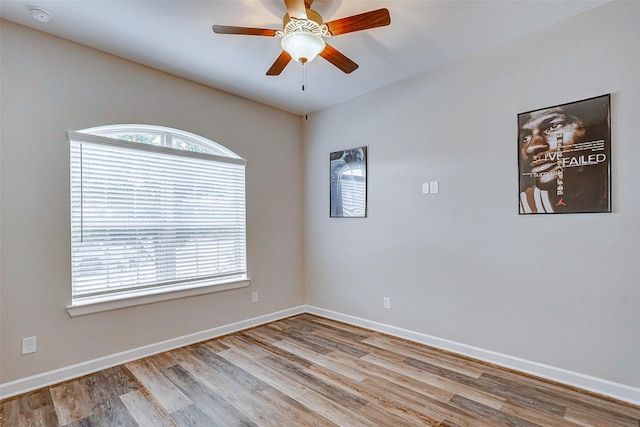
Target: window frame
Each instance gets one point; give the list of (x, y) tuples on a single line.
[(160, 292)]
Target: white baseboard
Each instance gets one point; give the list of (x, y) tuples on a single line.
[(585, 382), (45, 379), (596, 385)]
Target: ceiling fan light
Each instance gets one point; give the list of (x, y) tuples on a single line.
[(302, 45)]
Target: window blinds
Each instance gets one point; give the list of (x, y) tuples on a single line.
[(146, 216)]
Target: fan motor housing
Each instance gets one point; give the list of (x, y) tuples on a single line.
[(312, 15)]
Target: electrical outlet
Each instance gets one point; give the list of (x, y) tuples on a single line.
[(29, 345), (254, 297), (387, 302), (425, 188)]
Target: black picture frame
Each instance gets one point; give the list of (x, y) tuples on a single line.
[(564, 158), (348, 183)]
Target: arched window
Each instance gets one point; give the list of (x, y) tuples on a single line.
[(153, 210)]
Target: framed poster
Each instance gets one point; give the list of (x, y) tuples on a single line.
[(348, 194), (564, 158)]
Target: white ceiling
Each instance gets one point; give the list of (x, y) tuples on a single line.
[(176, 37)]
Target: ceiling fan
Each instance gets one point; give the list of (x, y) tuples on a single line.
[(303, 33)]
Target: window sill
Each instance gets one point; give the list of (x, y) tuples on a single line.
[(115, 302)]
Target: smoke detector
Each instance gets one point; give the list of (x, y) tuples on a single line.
[(39, 14)]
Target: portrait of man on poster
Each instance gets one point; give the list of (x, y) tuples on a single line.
[(564, 158)]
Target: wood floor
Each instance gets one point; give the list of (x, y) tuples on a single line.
[(310, 371)]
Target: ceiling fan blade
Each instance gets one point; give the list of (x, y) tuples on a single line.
[(296, 9), (225, 29), (279, 65), (339, 60), (363, 21)]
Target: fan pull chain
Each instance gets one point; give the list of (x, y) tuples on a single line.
[(306, 92)]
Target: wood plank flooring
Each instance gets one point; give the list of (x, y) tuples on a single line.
[(311, 371)]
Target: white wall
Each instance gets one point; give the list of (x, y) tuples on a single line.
[(51, 86), (462, 265)]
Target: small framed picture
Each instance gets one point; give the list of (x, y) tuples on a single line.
[(348, 194), (564, 158)]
